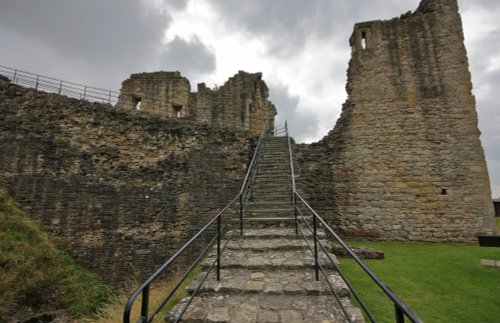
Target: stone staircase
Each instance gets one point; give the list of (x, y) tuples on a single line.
[(267, 275), (271, 201)]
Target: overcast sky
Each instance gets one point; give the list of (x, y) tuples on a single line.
[(301, 46)]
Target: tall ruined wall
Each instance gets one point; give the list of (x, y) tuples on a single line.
[(120, 189), (242, 102), (404, 160), (164, 93)]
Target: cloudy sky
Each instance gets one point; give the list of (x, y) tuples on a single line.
[(301, 46)]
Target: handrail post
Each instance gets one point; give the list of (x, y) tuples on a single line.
[(315, 237), (84, 92), (218, 247), (60, 87), (14, 77), (37, 81), (400, 317), (294, 201), (145, 304), (241, 214)]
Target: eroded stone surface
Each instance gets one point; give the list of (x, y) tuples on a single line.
[(290, 282), (265, 308)]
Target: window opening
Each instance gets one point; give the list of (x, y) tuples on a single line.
[(178, 109), (137, 103), (444, 191), (364, 43)]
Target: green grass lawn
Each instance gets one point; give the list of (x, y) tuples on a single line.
[(439, 282)]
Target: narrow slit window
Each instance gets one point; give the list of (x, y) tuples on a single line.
[(444, 191), (364, 43)]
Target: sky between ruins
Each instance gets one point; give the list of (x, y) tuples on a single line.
[(300, 46)]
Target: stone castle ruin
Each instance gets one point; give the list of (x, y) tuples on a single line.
[(133, 182), (242, 102), (404, 160)]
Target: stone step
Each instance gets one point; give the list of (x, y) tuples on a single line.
[(265, 308), (258, 209), (269, 260), (266, 187), (274, 233), (284, 196), (271, 244), (244, 281), (277, 177), (274, 159), (269, 204), (271, 182), (269, 220), (267, 210)]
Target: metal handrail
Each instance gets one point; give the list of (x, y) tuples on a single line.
[(292, 173), (401, 309), (53, 85), (144, 289), (75, 90)]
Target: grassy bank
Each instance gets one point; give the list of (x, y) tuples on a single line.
[(36, 274), (439, 282)]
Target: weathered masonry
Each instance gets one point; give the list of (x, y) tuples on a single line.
[(404, 160), (120, 189), (241, 102), (123, 188)]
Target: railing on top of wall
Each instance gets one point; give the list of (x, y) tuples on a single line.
[(53, 85), (302, 211), (77, 91)]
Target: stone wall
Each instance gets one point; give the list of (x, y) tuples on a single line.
[(404, 160), (241, 103), (121, 190)]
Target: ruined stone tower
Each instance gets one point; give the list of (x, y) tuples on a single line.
[(242, 102), (405, 157)]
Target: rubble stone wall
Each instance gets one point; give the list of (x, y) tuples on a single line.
[(121, 190), (404, 160), (241, 103)]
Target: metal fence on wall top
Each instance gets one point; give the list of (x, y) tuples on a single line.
[(53, 85)]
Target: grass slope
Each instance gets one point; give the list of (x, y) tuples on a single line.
[(439, 282), (35, 274)]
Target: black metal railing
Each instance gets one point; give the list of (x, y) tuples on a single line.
[(80, 91), (280, 130), (220, 237), (303, 211), (53, 85)]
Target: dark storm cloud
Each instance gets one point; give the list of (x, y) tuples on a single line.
[(301, 124), (178, 4), (288, 24), (101, 37), (192, 58)]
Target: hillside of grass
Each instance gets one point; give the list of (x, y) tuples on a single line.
[(439, 282), (39, 281)]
